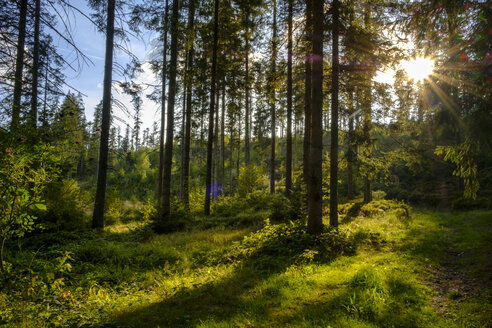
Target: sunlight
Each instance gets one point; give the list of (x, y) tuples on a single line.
[(419, 68), (387, 76)]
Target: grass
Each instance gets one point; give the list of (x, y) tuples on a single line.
[(383, 275)]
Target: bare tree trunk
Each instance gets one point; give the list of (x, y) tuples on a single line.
[(189, 86), (367, 115), (334, 120), (208, 179), (182, 134), (288, 165), (247, 132), (19, 66), (315, 201), (272, 98), (102, 170), (350, 150), (168, 155), (216, 149), (163, 110), (307, 93), (35, 66), (222, 137)]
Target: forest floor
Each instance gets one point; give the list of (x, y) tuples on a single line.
[(432, 269)]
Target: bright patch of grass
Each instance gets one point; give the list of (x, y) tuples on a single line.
[(372, 273)]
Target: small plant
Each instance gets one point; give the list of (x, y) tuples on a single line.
[(24, 174)]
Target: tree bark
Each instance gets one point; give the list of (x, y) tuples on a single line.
[(350, 149), (315, 201), (222, 137), (208, 179), (102, 170), (35, 66), (272, 99), (307, 93), (19, 66), (247, 132), (288, 164), (189, 86), (334, 120), (168, 153), (163, 109)]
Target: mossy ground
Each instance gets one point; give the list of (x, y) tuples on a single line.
[(385, 274)]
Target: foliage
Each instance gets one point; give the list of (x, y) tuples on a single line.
[(250, 179), (67, 206), (24, 174), (462, 156)]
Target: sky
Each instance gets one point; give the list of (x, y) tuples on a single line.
[(88, 80)]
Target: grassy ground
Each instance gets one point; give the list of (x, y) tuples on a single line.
[(429, 270)]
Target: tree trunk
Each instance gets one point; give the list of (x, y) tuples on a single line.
[(307, 93), (208, 179), (222, 137), (182, 134), (288, 165), (189, 86), (168, 153), (102, 170), (216, 149), (163, 111), (19, 66), (350, 148), (272, 98), (334, 120), (35, 66), (315, 201), (247, 132), (367, 115)]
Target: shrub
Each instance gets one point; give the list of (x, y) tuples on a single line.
[(24, 174), (67, 206)]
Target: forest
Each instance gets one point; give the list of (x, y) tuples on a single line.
[(262, 163)]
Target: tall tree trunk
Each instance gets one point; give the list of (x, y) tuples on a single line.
[(163, 110), (288, 165), (102, 169), (168, 153), (334, 120), (216, 149), (208, 179), (19, 66), (247, 132), (315, 201), (272, 98), (307, 92), (182, 134), (350, 148), (222, 137), (35, 66), (367, 114), (189, 86)]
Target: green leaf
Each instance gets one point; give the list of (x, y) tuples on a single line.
[(40, 206)]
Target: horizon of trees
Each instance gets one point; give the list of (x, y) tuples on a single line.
[(261, 88)]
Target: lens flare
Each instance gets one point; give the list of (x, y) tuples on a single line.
[(419, 68)]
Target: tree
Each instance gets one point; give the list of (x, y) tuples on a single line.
[(208, 177), (163, 112), (315, 199), (98, 215), (288, 164), (19, 66), (188, 91), (168, 155), (272, 86), (35, 65), (334, 119)]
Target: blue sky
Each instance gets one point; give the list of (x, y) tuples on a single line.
[(90, 78)]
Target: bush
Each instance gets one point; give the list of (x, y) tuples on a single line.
[(67, 206)]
